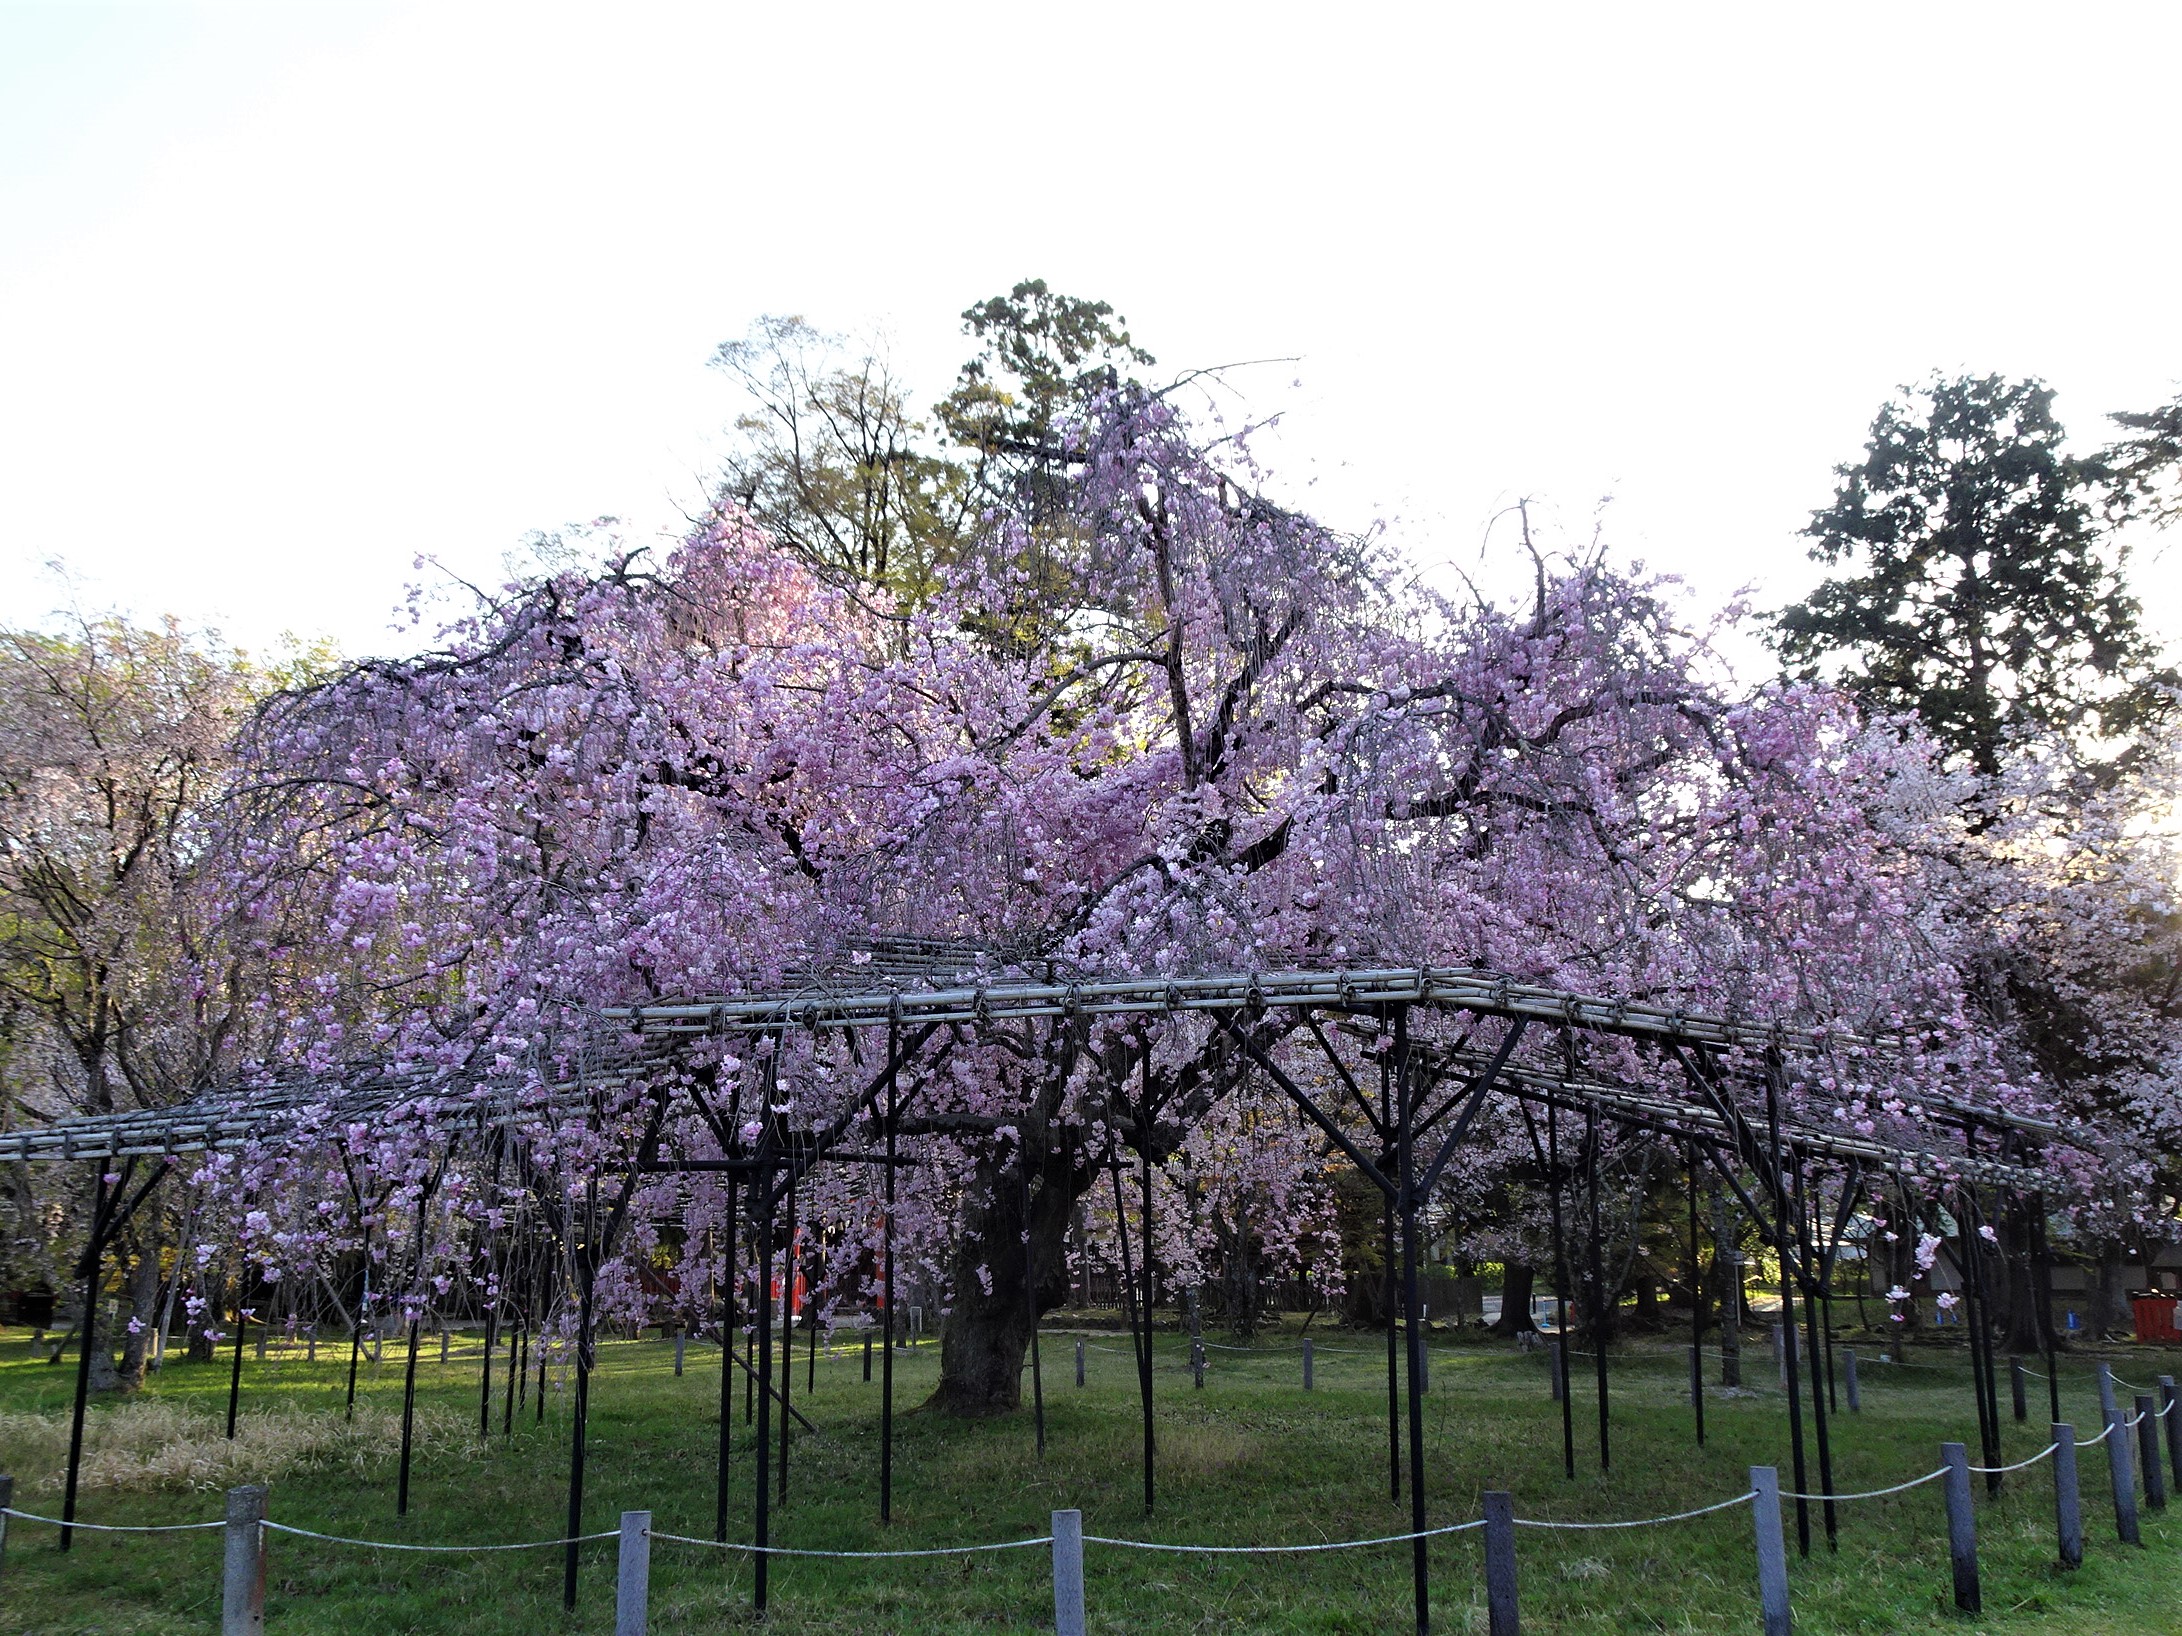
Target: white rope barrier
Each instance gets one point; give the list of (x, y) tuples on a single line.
[(109, 1527), (858, 1556), (1283, 1550), (2096, 1437), (1642, 1522), (399, 1545), (2001, 1471), (1873, 1493)]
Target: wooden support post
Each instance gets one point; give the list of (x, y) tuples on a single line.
[(633, 1577), (1503, 1617), (1557, 1368), (2108, 1405), (2122, 1478), (2068, 1511), (2018, 1387), (261, 1343), (1848, 1382), (1772, 1550), (1079, 1362), (7, 1498), (310, 1344), (1197, 1363), (1780, 1354), (1308, 1384), (1697, 1391), (409, 1421), (680, 1341), (242, 1575), (867, 1357), (1961, 1526), (2155, 1469), (442, 1344), (1068, 1614)]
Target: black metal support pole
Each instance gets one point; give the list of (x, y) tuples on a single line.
[(1599, 1294), (1784, 1242), (409, 1420), (1815, 1352), (1030, 1312), (1387, 1162), (356, 1328), (1144, 1358), (234, 1376), (1139, 1340), (1560, 1286), (727, 1364), (1697, 1303), (2042, 1269), (586, 1273), (1404, 1088), (484, 1379), (886, 1277), (788, 1268), (764, 1515), (94, 1256)]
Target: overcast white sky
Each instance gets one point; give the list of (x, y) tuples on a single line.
[(291, 294)]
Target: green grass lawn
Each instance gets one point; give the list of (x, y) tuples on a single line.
[(1251, 1459)]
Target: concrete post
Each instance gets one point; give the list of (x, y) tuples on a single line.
[(2173, 1423), (1068, 1616), (633, 1578), (2068, 1513), (1772, 1551), (2155, 1469), (2122, 1478), (1502, 1615), (242, 1576), (1961, 1526)]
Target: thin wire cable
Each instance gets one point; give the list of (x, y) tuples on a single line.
[(109, 1527), (1642, 1522), (861, 1556), (1282, 1550), (399, 1545)]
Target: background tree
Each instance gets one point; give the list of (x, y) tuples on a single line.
[(2146, 466), (123, 982), (1978, 590)]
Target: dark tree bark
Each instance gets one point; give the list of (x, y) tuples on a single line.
[(987, 1335), (1517, 1281)]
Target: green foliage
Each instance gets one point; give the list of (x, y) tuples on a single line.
[(1977, 588), (2146, 466)]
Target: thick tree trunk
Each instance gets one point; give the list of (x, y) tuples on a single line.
[(142, 1305), (1517, 1280), (986, 1342), (1727, 1268)]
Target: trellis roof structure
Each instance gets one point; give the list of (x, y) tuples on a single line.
[(905, 993)]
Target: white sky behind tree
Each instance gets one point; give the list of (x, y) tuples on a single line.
[(290, 294)]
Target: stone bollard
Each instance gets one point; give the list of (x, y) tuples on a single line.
[(242, 1576), (1503, 1617), (1961, 1526), (2122, 1479), (2154, 1468), (2068, 1513), (633, 1575), (1772, 1551), (1068, 1615)]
